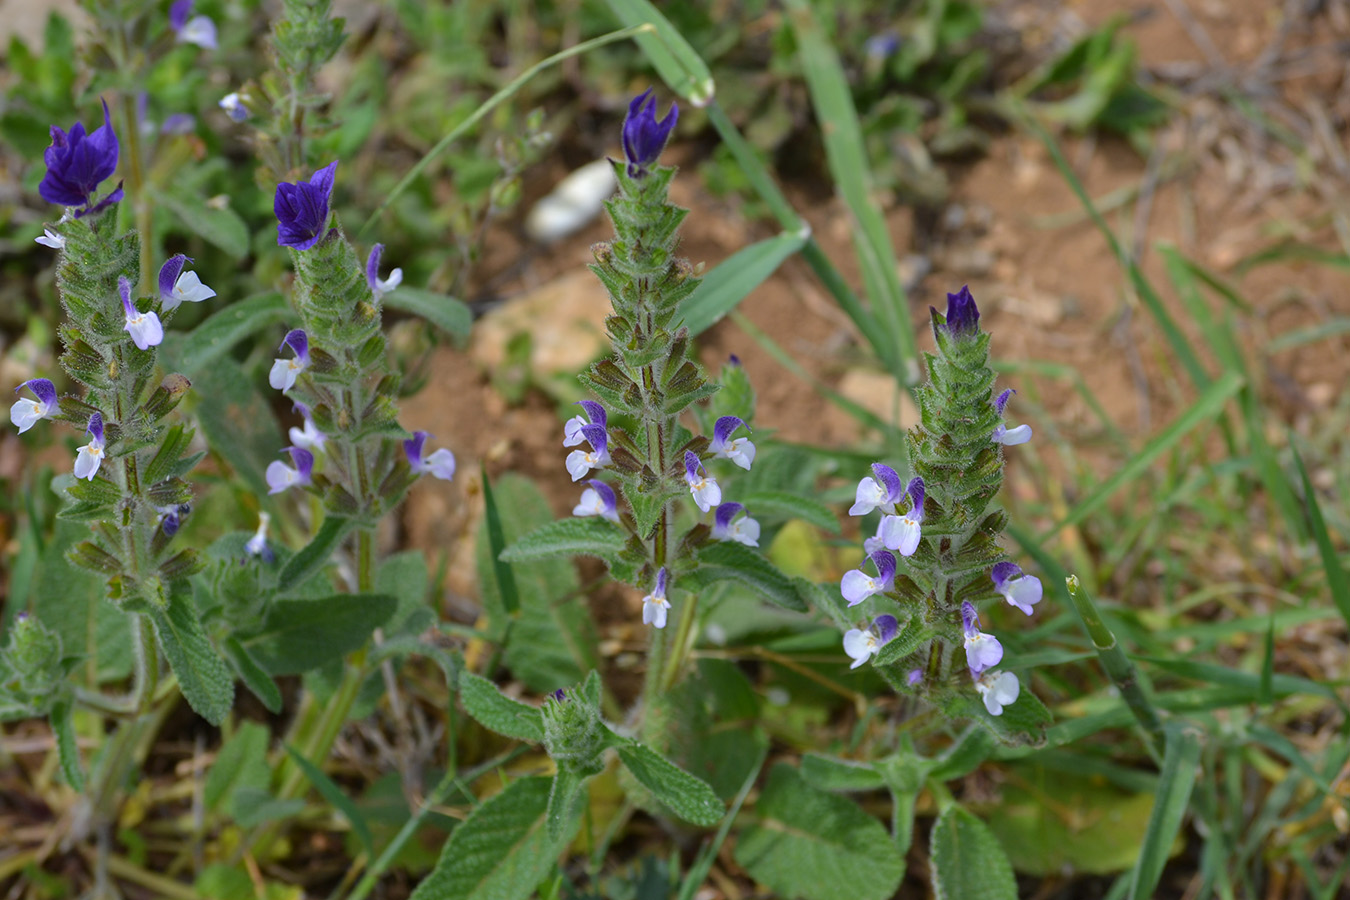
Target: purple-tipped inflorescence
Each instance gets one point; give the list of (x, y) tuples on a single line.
[(983, 651), (862, 644), (1003, 434), (286, 371), (177, 287), (598, 499), (739, 450), (857, 585), (901, 533), (702, 486), (302, 209), (90, 456), (281, 477), (963, 316), (1021, 591), (881, 491), (643, 136), (655, 604), (726, 527), (25, 413), (440, 464), (380, 286), (77, 163), (144, 327)]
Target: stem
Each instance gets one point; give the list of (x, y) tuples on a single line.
[(681, 646)]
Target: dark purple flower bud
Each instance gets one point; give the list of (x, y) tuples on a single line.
[(915, 491), (77, 163), (733, 360), (302, 209), (963, 316), (643, 136), (559, 695), (179, 123), (171, 517), (95, 427)]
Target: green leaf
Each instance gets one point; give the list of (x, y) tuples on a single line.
[(445, 312), (968, 863), (734, 278), (679, 66), (1181, 763), (791, 506), (646, 508), (688, 797), (1337, 581), (258, 682), (216, 336), (494, 711), (334, 795), (220, 226), (577, 536), (315, 554), (237, 421), (730, 561), (71, 602), (562, 815), (67, 749), (831, 774), (404, 575), (503, 575), (303, 634), (241, 763), (501, 851), (816, 845), (913, 633), (203, 677)]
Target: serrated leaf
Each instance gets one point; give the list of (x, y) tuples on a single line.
[(791, 506), (499, 713), (315, 554), (214, 337), (67, 749), (730, 561), (334, 795), (303, 634), (501, 851), (258, 682), (688, 797), (445, 312), (968, 863), (578, 536), (241, 763), (830, 774), (816, 845), (203, 677)]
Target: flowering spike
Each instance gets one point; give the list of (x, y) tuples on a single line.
[(286, 371), (997, 689), (862, 645), (302, 209), (380, 286), (963, 316), (742, 531), (90, 456), (440, 464), (598, 499), (643, 136), (77, 163), (655, 604), (177, 287), (857, 585), (144, 327), (702, 486), (25, 413), (280, 476), (740, 451), (983, 651), (1021, 591), (881, 491)]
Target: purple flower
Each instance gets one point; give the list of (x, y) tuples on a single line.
[(963, 316), (902, 533), (742, 531), (90, 456), (25, 413), (702, 486), (199, 30), (997, 690), (857, 585), (77, 163), (440, 464), (655, 604), (285, 371), (915, 677), (862, 645), (559, 695), (598, 500), (595, 415), (309, 437), (1004, 435), (594, 432), (302, 209), (879, 46), (144, 327), (983, 651), (882, 491), (380, 286), (177, 287), (740, 451), (643, 137), (179, 123), (234, 107), (281, 476), (257, 545), (1021, 591), (171, 517)]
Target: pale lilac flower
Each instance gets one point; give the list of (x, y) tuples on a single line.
[(285, 371), (51, 239), (309, 437), (440, 464), (199, 30), (580, 462), (740, 451), (902, 533), (144, 327), (915, 677), (857, 585), (380, 286), (90, 456), (1003, 434), (177, 287), (595, 415), (997, 690), (743, 531), (281, 477), (178, 124), (880, 492), (875, 542), (701, 485), (983, 651), (257, 545), (234, 107), (598, 500), (1021, 591), (25, 413), (655, 604), (861, 645)]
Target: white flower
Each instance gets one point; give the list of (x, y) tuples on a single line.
[(188, 288), (862, 644), (51, 239), (702, 486), (655, 604), (997, 689), (90, 456), (144, 327)]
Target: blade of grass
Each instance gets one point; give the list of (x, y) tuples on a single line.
[(846, 156), (678, 64), (735, 277), (336, 798), (1336, 578), (506, 576), (1174, 796), (698, 871)]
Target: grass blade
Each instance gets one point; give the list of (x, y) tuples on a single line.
[(1336, 578), (679, 66), (336, 798), (506, 576), (1179, 770), (734, 278)]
